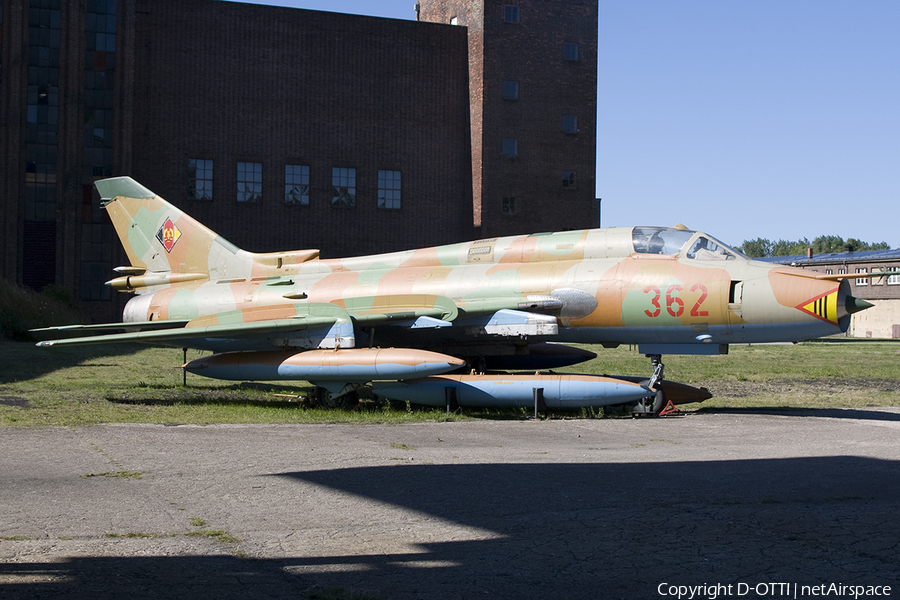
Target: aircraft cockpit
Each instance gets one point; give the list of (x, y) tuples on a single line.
[(705, 248), (673, 241)]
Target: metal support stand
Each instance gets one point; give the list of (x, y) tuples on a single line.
[(183, 371), (539, 404), (450, 399)]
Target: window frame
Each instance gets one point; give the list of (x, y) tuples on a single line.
[(194, 191), (292, 186), (343, 187), (389, 189), (249, 190), (510, 89), (893, 279)]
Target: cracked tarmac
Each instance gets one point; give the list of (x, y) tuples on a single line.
[(496, 509)]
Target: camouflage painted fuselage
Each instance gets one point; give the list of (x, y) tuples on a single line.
[(652, 286)]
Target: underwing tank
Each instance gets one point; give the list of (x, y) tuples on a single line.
[(504, 390), (318, 366)]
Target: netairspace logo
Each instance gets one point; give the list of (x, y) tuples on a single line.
[(712, 591)]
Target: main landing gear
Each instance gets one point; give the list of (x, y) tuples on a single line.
[(346, 398)]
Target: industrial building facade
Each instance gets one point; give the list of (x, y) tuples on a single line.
[(286, 129)]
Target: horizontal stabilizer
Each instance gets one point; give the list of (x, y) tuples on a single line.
[(128, 327), (172, 336)]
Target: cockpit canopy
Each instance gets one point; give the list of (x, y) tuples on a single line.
[(669, 240)]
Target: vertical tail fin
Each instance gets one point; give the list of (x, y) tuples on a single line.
[(160, 238)]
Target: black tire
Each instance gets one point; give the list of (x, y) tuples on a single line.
[(660, 403)]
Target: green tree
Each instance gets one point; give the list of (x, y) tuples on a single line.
[(758, 248), (824, 244), (859, 246), (788, 248)]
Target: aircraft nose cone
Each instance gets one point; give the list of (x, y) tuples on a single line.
[(854, 305)]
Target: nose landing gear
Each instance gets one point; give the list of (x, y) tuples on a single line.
[(658, 404)]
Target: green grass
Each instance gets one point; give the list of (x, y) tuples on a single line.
[(86, 385), (216, 534), (69, 386), (807, 375)]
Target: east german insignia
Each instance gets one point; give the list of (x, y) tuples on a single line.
[(168, 234)]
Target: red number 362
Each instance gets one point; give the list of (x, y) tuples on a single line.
[(674, 303)]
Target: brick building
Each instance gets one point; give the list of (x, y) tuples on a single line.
[(532, 88), (285, 129)]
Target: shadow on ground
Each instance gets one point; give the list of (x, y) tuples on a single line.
[(23, 360), (867, 414), (575, 531)]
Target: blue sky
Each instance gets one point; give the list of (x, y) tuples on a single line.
[(772, 118)]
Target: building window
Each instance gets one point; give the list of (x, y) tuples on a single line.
[(388, 189), (96, 253), (568, 180), (893, 279), (510, 90), (862, 280), (510, 147), (343, 183), (570, 51), (296, 184), (570, 124), (828, 271), (508, 206), (511, 13), (249, 182), (454, 20), (200, 186), (42, 114)]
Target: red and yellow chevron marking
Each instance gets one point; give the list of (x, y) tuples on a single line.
[(822, 307)]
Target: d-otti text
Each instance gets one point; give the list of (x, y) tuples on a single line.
[(787, 590)]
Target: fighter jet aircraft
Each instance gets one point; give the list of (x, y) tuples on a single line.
[(447, 324)]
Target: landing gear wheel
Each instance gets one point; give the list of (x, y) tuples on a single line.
[(317, 397), (659, 403), (345, 401)]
